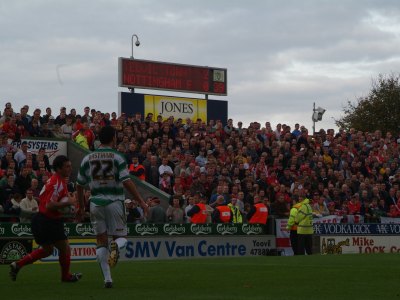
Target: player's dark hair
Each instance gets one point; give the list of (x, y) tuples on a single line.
[(106, 134), (59, 161)]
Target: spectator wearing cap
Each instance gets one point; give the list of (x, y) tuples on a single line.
[(135, 213), (157, 214)]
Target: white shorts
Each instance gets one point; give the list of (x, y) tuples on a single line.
[(110, 218)]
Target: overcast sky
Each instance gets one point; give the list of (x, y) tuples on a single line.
[(281, 56)]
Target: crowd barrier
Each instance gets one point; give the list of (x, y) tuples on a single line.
[(179, 241), (149, 241)]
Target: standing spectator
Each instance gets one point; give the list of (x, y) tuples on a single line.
[(157, 214), (258, 213), (235, 209), (21, 154), (136, 169), (198, 213), (188, 207), (222, 212), (152, 175), (66, 129), (165, 172), (175, 213), (45, 118)]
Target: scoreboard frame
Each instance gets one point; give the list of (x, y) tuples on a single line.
[(155, 75)]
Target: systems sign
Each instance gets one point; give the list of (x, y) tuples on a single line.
[(144, 74)]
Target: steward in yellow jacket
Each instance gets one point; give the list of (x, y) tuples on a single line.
[(292, 226), (304, 221)]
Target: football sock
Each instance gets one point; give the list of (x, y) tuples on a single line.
[(121, 242), (32, 257), (102, 257), (65, 261)]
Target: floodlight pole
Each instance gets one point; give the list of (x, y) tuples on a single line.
[(313, 127), (137, 43)]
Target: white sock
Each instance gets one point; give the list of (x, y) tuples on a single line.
[(102, 258), (121, 242)]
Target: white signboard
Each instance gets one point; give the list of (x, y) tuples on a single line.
[(359, 244), (52, 148)]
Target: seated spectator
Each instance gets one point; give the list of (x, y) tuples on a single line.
[(319, 206), (29, 207), (13, 205), (394, 211), (354, 205), (23, 181)]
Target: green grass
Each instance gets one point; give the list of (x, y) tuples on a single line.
[(374, 276)]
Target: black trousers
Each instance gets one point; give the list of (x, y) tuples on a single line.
[(304, 244), (294, 241)]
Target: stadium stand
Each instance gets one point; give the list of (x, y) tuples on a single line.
[(350, 172)]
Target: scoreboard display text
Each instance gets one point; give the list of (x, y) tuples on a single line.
[(144, 74)]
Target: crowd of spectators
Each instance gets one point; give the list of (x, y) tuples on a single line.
[(348, 172)]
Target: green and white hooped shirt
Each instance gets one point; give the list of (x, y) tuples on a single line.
[(104, 171)]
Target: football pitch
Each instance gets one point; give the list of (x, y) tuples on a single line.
[(373, 276)]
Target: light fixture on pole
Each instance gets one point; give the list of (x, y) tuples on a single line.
[(137, 43), (317, 115)]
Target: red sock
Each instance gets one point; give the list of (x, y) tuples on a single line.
[(65, 261), (32, 257)]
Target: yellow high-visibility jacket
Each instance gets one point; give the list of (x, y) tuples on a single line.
[(304, 218)]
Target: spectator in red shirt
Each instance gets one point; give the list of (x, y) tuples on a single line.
[(354, 205)]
